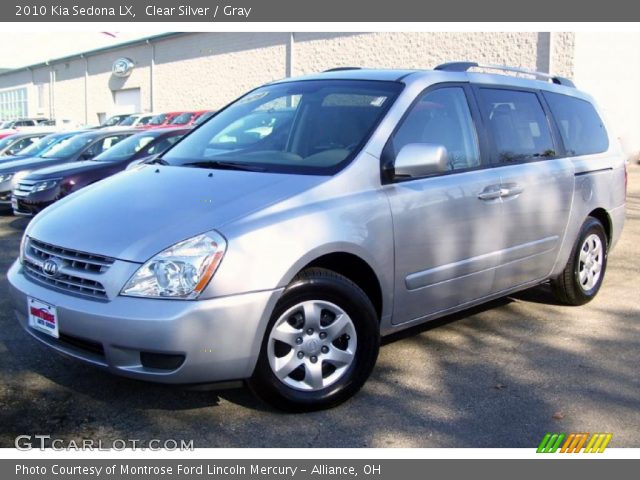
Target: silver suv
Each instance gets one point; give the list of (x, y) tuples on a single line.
[(278, 241)]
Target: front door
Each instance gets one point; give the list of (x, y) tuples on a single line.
[(447, 227)]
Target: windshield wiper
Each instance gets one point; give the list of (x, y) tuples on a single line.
[(225, 165), (157, 160)]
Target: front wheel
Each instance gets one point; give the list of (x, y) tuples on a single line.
[(582, 276), (320, 345)]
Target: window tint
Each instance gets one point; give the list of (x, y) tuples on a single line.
[(442, 117), (517, 123), (103, 145), (163, 144), (301, 127), (580, 125), (21, 144)]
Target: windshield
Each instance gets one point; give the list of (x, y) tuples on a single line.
[(181, 119), (7, 141), (125, 149), (112, 121), (41, 145), (203, 118), (300, 127), (158, 119), (128, 121), (68, 146)]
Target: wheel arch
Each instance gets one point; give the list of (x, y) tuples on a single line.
[(350, 265), (603, 217)]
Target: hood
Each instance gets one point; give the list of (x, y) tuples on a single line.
[(137, 213), (29, 163), (67, 169)]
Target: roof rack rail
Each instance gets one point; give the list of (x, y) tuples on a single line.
[(465, 66), (339, 69)]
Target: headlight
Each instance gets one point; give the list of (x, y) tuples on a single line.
[(19, 176), (181, 271), (23, 244), (45, 185), (5, 177)]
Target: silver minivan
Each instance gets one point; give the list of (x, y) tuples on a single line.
[(278, 241)]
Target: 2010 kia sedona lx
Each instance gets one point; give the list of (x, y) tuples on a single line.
[(281, 238)]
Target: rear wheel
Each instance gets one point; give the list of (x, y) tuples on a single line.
[(583, 275), (320, 345)]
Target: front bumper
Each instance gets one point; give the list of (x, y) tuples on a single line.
[(5, 198), (219, 339), (34, 202)]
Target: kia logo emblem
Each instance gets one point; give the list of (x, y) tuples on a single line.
[(50, 267)]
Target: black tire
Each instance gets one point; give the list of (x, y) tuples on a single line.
[(567, 286), (321, 285)]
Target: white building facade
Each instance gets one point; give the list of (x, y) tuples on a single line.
[(196, 71)]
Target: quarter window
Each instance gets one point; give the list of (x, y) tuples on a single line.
[(442, 117), (517, 124), (581, 127)]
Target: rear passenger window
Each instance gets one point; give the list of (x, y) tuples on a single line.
[(517, 124), (581, 127), (442, 117)]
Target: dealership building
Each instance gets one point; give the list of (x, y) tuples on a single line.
[(196, 71)]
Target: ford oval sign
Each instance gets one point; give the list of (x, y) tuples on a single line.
[(122, 67)]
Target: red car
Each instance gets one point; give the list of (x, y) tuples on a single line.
[(187, 119)]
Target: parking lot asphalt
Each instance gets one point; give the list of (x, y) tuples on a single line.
[(501, 375)]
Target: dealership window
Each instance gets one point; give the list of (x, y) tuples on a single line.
[(13, 103), (40, 87)]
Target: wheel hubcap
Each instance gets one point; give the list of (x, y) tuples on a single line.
[(327, 349), (591, 260)]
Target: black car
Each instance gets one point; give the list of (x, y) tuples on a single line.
[(84, 146), (43, 187)]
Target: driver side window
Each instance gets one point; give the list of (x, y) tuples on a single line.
[(442, 117)]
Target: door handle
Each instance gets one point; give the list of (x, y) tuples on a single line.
[(490, 193), (510, 190)]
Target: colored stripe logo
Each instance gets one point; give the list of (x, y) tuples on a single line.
[(574, 443)]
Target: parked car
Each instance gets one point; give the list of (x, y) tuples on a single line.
[(187, 118), (137, 120), (78, 147), (43, 187), (14, 144), (114, 120), (25, 122), (394, 198), (42, 145), (161, 120)]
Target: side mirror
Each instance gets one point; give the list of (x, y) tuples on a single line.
[(420, 159), (86, 156)]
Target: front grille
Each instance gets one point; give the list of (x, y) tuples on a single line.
[(24, 187), (77, 260), (82, 344), (71, 278)]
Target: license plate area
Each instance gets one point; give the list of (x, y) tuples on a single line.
[(43, 317)]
